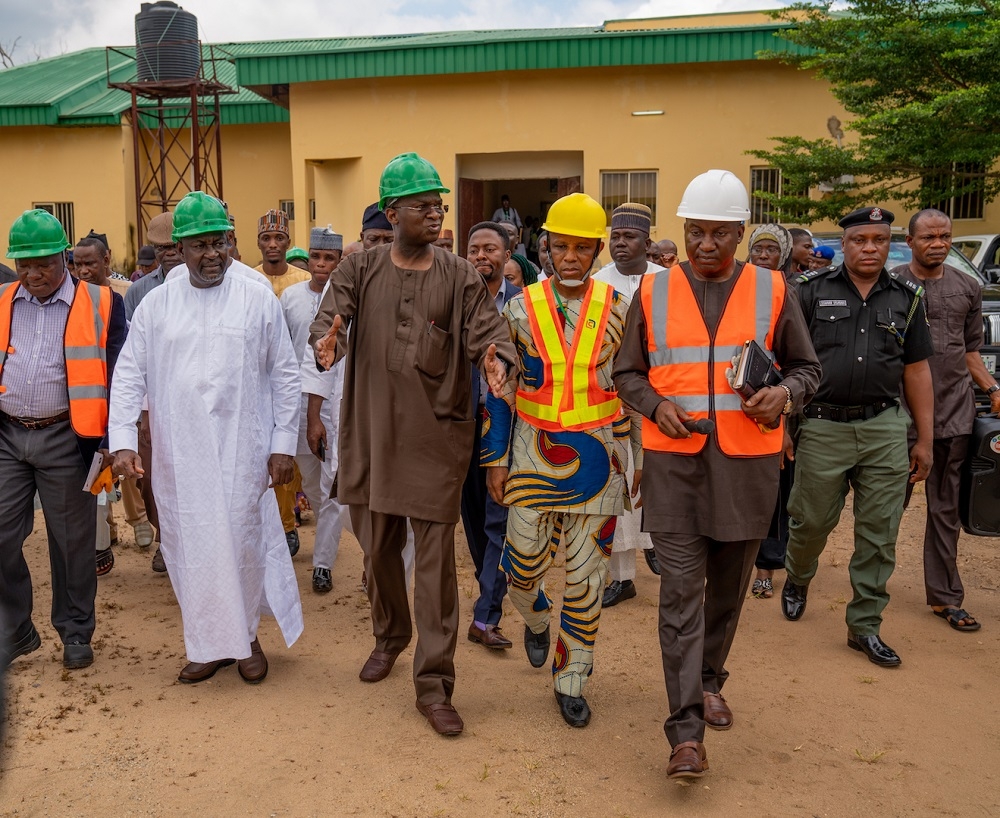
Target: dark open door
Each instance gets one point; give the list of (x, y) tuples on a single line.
[(569, 184), (470, 211)]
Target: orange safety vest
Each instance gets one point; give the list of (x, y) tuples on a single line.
[(569, 398), (85, 348), (688, 366)]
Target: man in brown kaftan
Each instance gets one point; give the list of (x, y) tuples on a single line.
[(417, 314)]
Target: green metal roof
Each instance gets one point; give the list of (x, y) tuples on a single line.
[(72, 90), (461, 52)]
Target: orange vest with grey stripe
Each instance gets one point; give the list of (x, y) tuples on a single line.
[(85, 348), (569, 397), (688, 366)]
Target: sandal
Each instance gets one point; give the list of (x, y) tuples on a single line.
[(956, 616), (762, 588), (105, 561)]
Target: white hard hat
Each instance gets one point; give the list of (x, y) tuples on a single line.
[(716, 195)]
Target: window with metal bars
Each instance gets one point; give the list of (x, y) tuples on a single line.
[(769, 180), (620, 186), (63, 211), (967, 177)]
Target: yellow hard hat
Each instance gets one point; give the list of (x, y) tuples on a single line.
[(577, 215)]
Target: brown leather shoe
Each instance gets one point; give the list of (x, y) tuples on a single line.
[(253, 669), (443, 718), (688, 760), (378, 666), (489, 636), (194, 672), (718, 716)]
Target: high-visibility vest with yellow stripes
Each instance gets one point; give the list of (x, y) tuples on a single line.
[(569, 397), (688, 366), (85, 348)]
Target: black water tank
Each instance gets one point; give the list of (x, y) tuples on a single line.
[(166, 43)]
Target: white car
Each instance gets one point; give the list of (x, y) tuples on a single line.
[(983, 251)]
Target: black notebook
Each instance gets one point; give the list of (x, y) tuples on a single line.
[(755, 371)]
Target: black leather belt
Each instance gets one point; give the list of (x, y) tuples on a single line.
[(35, 423), (844, 414)]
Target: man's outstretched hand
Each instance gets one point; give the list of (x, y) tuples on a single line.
[(496, 371), (326, 347)]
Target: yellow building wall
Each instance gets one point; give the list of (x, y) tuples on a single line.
[(719, 20), (93, 169), (256, 175), (714, 113), (85, 166)]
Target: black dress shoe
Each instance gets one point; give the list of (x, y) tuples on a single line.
[(793, 600), (617, 592), (77, 655), (575, 710), (28, 643), (877, 651), (651, 560), (536, 645), (292, 538)]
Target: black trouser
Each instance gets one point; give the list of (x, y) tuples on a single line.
[(47, 461), (771, 555)]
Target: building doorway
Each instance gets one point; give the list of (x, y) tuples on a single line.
[(533, 181)]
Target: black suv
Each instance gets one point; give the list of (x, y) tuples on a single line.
[(899, 253)]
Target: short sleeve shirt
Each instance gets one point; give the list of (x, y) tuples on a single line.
[(863, 344)]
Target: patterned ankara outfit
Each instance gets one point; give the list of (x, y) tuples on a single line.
[(563, 486)]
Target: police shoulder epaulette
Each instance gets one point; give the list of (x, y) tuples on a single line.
[(809, 275), (916, 289)]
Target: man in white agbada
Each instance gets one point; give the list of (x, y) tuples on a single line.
[(212, 352), (630, 226)]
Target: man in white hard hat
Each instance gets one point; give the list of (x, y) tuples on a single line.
[(708, 498)]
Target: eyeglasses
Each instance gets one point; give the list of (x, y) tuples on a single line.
[(424, 209), (219, 246)]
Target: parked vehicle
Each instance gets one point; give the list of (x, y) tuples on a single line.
[(983, 251)]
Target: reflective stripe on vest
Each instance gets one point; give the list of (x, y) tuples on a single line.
[(569, 398), (688, 367), (85, 349)]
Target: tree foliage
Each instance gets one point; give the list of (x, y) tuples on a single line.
[(921, 79)]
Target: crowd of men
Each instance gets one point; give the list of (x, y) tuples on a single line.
[(562, 404)]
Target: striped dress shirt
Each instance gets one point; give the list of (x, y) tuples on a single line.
[(34, 374)]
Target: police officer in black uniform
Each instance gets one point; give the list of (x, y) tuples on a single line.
[(871, 334)]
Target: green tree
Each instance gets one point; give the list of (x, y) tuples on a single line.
[(921, 79)]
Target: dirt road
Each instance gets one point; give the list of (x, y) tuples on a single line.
[(819, 731)]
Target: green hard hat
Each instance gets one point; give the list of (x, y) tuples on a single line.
[(36, 233), (296, 253), (407, 175), (197, 214)]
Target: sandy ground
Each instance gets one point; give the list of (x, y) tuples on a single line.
[(819, 731)]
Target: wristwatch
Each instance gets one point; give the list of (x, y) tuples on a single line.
[(992, 389), (787, 409)]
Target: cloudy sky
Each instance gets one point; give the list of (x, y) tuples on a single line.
[(51, 27)]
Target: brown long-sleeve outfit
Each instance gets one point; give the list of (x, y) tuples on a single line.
[(406, 434), (706, 513)]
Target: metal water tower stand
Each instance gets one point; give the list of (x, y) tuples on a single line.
[(176, 134)]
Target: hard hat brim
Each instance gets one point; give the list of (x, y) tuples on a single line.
[(201, 229), (38, 252)]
